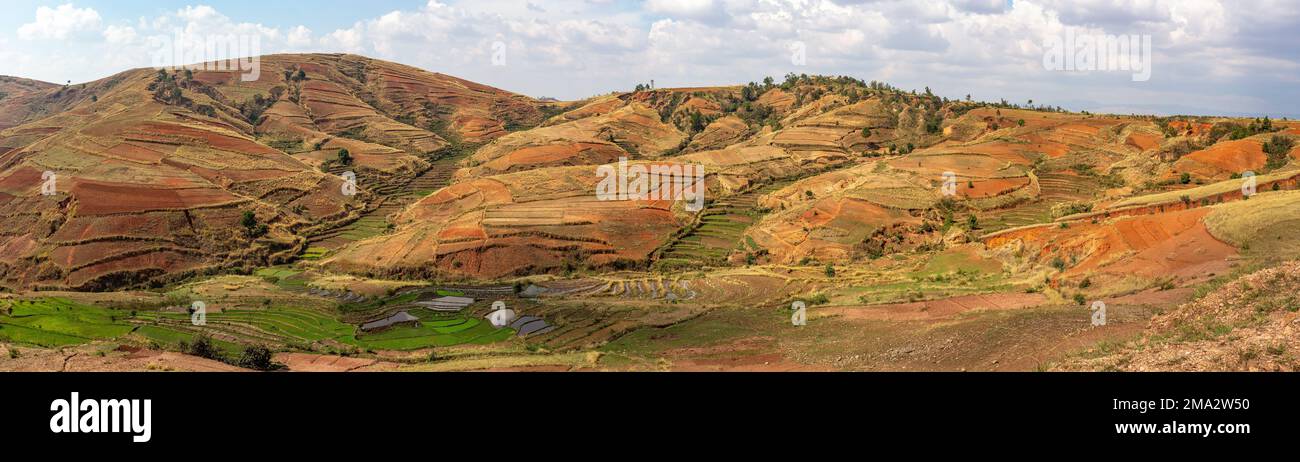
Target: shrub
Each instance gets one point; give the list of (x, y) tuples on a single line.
[(1080, 299), (257, 357), (345, 157), (202, 347), (1058, 263)]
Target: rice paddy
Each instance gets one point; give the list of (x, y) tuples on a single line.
[(55, 322)]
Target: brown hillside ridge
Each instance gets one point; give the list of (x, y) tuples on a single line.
[(151, 185)]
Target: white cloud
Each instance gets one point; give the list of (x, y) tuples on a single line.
[(299, 37), (119, 35), (60, 23), (575, 48)]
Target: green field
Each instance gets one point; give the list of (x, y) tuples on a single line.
[(444, 332), (283, 277), (54, 322), (314, 253)]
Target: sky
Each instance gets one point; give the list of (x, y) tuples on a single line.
[(1206, 57)]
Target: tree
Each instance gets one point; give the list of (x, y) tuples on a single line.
[(251, 227), (1185, 178), (302, 75), (830, 271), (345, 157), (866, 133), (697, 121), (257, 357), (1020, 122), (1278, 151), (202, 347)]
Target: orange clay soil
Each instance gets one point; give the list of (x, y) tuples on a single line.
[(1168, 245), (1220, 161), (150, 188)]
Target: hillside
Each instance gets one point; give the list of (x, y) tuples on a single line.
[(922, 233), (1248, 324), (154, 170)]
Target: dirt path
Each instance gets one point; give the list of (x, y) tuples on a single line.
[(311, 362), (933, 309)]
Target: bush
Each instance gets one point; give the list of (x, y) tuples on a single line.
[(257, 357), (1080, 299), (203, 347), (1058, 263), (345, 157)]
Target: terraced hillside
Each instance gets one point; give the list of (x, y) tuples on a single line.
[(391, 200), (719, 233), (149, 177)]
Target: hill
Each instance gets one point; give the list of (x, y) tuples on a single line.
[(154, 171)]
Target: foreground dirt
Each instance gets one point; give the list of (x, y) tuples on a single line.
[(1250, 324), (105, 358)]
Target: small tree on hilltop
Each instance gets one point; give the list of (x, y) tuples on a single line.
[(345, 157)]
